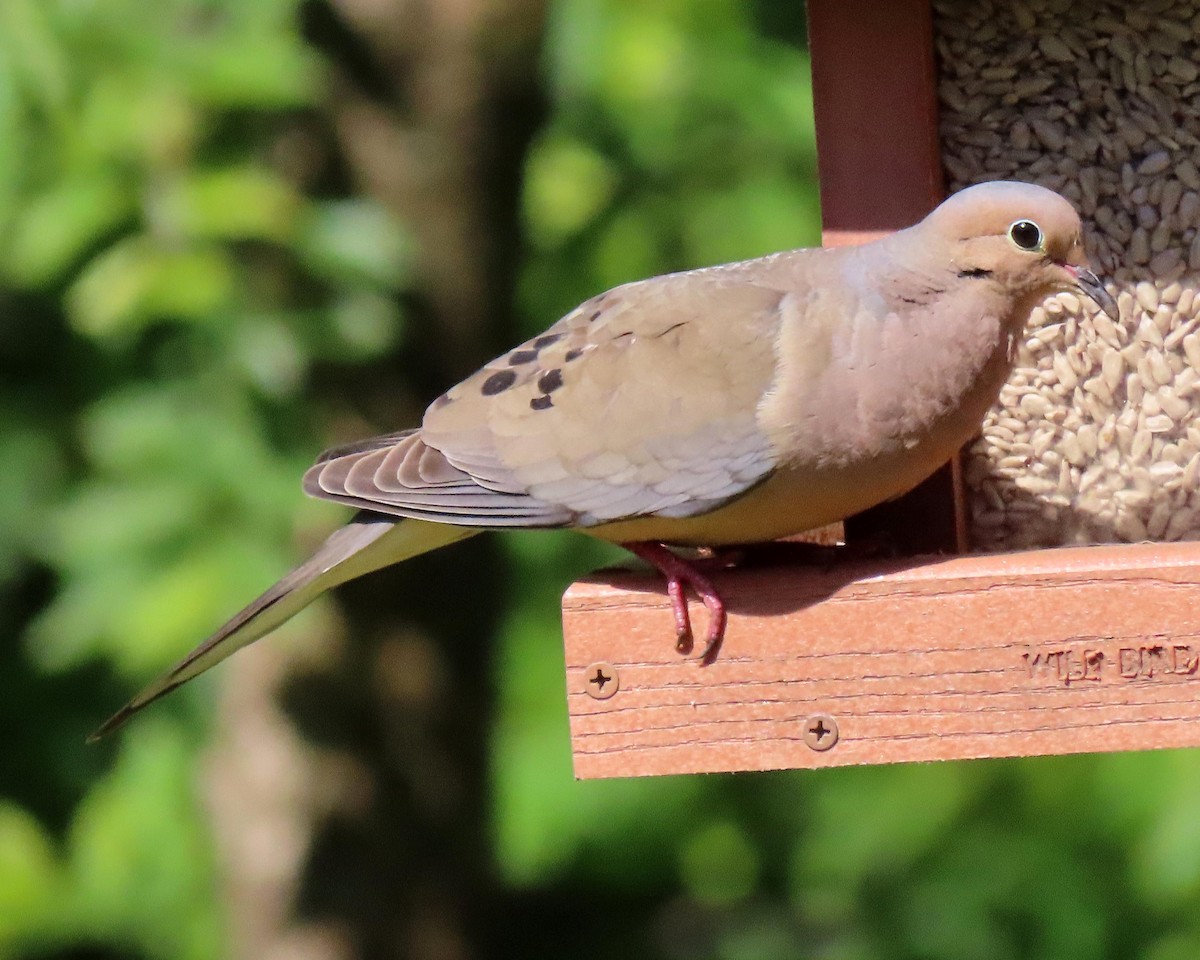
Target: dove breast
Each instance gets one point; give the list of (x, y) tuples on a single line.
[(878, 357)]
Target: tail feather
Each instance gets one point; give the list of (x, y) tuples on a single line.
[(367, 543)]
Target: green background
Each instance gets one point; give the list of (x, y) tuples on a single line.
[(235, 231)]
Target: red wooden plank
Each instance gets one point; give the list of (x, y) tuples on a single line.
[(1045, 652)]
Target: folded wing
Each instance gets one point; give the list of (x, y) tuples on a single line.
[(641, 402)]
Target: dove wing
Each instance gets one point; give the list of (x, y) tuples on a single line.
[(640, 402)]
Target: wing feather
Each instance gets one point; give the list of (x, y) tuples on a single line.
[(629, 406)]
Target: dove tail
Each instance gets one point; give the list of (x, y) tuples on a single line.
[(367, 543)]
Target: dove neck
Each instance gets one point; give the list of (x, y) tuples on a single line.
[(905, 254)]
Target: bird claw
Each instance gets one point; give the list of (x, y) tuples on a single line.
[(678, 573), (683, 621), (716, 628), (684, 641)]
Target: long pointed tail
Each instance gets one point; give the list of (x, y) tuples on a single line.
[(367, 543)]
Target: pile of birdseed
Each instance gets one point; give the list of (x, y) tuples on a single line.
[(1096, 436)]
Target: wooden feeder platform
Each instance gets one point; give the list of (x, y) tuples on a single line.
[(1044, 652)]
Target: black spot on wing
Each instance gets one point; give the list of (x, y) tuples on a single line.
[(541, 343), (574, 354), (498, 383), (541, 403), (519, 357), (550, 381)]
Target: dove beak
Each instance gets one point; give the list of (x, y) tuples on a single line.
[(1089, 285)]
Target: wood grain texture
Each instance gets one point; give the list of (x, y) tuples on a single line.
[(875, 104), (1047, 652)]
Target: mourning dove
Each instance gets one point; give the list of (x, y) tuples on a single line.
[(728, 405)]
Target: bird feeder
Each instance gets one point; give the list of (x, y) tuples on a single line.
[(953, 650)]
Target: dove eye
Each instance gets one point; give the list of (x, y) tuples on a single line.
[(1026, 234)]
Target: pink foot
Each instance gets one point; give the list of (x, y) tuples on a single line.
[(680, 573)]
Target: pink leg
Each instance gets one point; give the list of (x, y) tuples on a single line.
[(680, 573)]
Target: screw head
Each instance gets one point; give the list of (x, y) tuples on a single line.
[(820, 732), (600, 680)]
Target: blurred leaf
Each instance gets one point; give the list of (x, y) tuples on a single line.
[(633, 245), (103, 520), (132, 117), (1166, 863), (648, 59), (566, 186), (252, 70), (140, 866), (30, 882), (138, 281), (30, 472), (203, 436), (234, 203), (56, 227), (898, 814), (131, 430), (179, 604), (159, 552), (749, 219), (574, 55), (112, 291), (73, 628), (172, 291), (719, 864), (366, 324), (270, 354), (355, 241), (1176, 946), (13, 140), (37, 62)]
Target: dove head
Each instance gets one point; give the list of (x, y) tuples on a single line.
[(1021, 235)]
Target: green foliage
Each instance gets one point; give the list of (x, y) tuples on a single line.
[(170, 289)]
